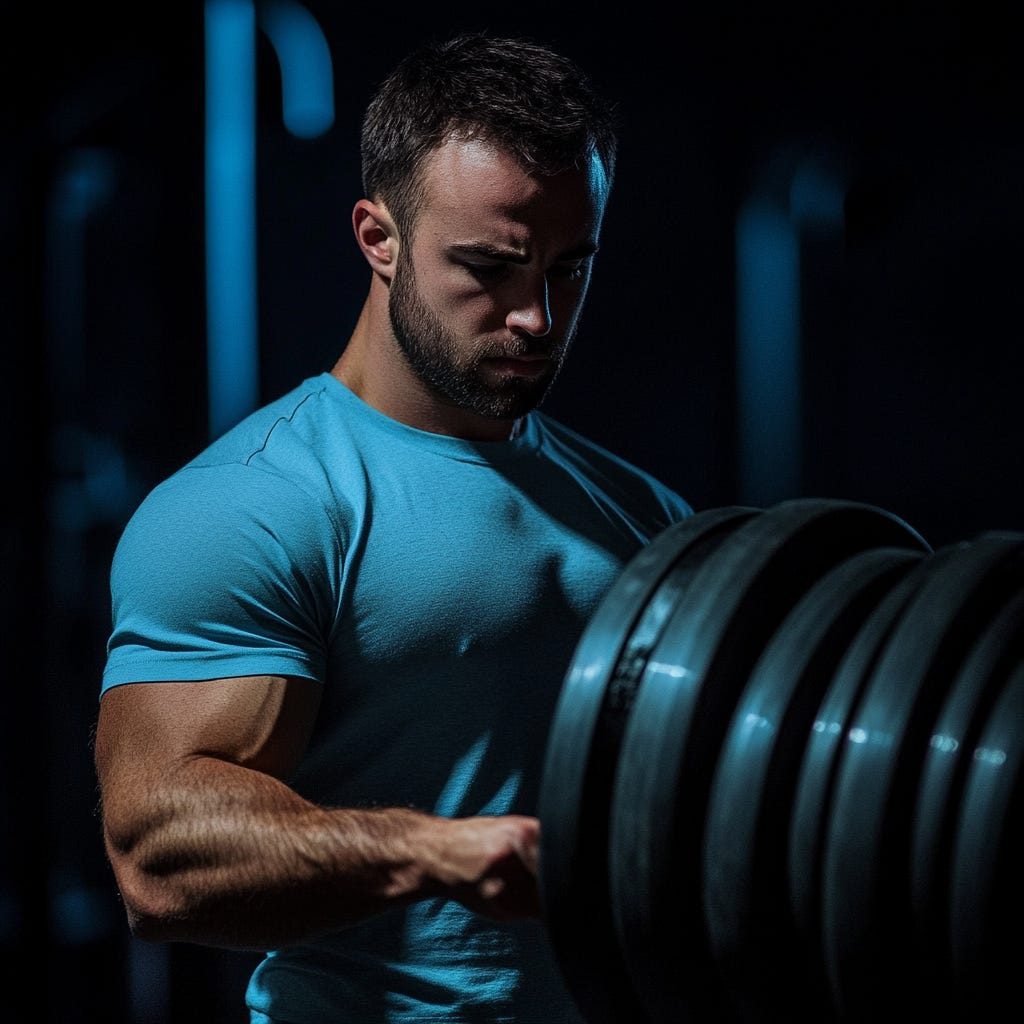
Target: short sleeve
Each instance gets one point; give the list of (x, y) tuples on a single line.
[(223, 571)]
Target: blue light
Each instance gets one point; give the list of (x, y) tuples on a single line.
[(80, 915), (798, 192), (768, 353), (307, 80), (232, 326)]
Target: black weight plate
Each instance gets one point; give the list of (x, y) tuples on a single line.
[(690, 685), (987, 884), (753, 938), (867, 927), (816, 776), (946, 764), (582, 749)]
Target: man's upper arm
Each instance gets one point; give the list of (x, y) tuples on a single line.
[(258, 722)]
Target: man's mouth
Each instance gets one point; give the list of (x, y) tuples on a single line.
[(530, 365)]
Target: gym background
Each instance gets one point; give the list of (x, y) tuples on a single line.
[(809, 285)]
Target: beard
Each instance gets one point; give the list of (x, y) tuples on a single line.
[(431, 349)]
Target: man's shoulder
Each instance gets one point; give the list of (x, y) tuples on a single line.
[(272, 430), (277, 463)]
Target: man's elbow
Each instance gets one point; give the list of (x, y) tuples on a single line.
[(153, 916), (155, 911)]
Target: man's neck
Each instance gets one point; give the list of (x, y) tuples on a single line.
[(374, 370)]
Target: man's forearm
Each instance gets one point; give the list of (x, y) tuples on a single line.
[(232, 857)]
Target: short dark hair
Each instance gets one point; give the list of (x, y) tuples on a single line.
[(513, 93)]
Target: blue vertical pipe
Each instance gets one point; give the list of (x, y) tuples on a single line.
[(809, 193), (768, 364), (230, 188)]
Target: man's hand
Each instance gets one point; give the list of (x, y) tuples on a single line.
[(488, 864)]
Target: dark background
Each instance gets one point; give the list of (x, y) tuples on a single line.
[(909, 342)]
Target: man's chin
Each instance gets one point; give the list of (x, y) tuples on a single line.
[(511, 407)]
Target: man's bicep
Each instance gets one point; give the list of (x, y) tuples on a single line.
[(259, 722)]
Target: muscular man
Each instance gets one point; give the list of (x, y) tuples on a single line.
[(339, 632)]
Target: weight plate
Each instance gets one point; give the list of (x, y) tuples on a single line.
[(750, 926), (691, 682), (816, 776), (947, 761), (987, 886), (582, 749), (867, 928)]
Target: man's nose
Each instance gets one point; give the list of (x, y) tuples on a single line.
[(531, 312)]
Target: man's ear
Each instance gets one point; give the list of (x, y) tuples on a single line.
[(377, 236)]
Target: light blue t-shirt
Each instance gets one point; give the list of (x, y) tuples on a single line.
[(436, 587)]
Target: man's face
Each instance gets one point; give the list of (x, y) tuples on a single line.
[(486, 298)]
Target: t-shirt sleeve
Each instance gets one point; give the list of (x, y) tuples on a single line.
[(223, 571)]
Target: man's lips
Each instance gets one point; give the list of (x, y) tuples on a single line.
[(525, 365)]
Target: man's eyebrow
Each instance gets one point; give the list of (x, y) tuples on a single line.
[(509, 255)]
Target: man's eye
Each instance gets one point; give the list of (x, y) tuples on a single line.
[(485, 271), (570, 271)]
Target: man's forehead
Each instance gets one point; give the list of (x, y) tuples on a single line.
[(471, 180), (496, 174)]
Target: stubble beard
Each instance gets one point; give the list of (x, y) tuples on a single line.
[(432, 352)]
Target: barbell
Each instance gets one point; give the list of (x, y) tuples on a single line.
[(783, 777)]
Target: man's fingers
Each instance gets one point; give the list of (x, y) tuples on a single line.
[(494, 863)]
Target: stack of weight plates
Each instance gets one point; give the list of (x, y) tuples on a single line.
[(782, 778)]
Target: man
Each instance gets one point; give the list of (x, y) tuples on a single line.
[(340, 632)]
